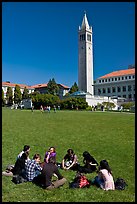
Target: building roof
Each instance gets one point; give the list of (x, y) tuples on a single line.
[(30, 87), (39, 86), (78, 93), (13, 85), (45, 85), (119, 73)]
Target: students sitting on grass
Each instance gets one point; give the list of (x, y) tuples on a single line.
[(9, 169), (50, 153), (104, 179), (45, 178), (25, 149), (90, 163), (19, 167), (70, 161), (33, 167)]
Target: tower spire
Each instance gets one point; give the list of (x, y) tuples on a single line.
[(85, 22)]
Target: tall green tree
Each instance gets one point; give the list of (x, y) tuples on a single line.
[(17, 94), (9, 96), (3, 100), (52, 87), (74, 88), (25, 94)]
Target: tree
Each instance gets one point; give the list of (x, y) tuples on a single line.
[(3, 100), (74, 88), (25, 94), (52, 87), (9, 96), (17, 94)]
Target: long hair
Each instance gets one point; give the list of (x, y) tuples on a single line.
[(26, 148), (104, 165), (70, 151)]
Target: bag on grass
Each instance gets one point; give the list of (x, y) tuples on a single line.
[(120, 184), (18, 179), (80, 181)]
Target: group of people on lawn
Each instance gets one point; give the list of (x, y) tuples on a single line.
[(41, 173)]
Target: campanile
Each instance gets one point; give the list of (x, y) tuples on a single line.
[(85, 57)]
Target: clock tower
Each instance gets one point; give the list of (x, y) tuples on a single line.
[(85, 57)]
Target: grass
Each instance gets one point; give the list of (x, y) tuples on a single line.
[(105, 135)]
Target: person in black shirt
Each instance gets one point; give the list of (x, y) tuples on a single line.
[(90, 163), (45, 178)]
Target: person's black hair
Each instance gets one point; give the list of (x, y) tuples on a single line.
[(25, 155), (70, 151), (87, 156), (26, 148), (104, 165), (52, 160), (36, 156)]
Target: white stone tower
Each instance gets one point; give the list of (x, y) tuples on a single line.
[(85, 57)]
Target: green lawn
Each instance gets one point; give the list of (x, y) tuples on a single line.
[(105, 135)]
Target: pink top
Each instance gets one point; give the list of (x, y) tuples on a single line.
[(108, 180)]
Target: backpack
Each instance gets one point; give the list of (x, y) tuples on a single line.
[(120, 184), (18, 179), (80, 181)]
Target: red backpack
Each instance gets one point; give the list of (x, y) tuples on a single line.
[(83, 182)]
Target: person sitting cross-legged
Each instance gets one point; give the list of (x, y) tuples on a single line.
[(33, 168), (45, 178)]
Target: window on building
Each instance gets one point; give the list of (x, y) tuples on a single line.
[(118, 78), (133, 76), (124, 88), (118, 89), (108, 79), (124, 96), (108, 90), (125, 77), (113, 89), (99, 81), (129, 88), (129, 96), (88, 37), (122, 78), (129, 77), (99, 91), (112, 79), (115, 79), (105, 80), (104, 90), (82, 37), (102, 80)]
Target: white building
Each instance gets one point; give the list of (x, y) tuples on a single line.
[(118, 83), (7, 84), (42, 88)]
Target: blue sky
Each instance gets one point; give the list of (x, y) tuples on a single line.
[(40, 39)]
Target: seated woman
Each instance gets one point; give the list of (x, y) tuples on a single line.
[(70, 160), (105, 178), (90, 163), (50, 153)]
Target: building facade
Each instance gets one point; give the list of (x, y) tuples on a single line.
[(118, 83), (42, 88), (85, 57), (7, 84)]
